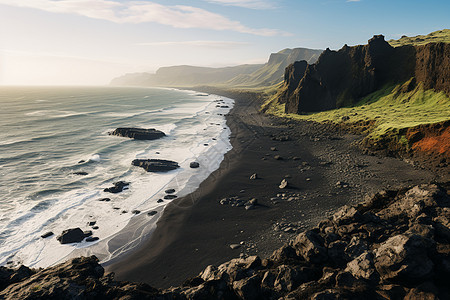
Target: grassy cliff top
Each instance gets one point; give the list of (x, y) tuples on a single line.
[(434, 37), (384, 112)]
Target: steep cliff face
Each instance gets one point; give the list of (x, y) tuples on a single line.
[(341, 78)]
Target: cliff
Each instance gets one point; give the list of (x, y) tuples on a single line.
[(272, 72), (395, 245), (342, 78)]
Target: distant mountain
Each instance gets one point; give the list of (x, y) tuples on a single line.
[(184, 76), (273, 71), (266, 74), (434, 37)]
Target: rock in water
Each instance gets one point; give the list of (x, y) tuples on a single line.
[(139, 133), (47, 234), (117, 188), (72, 235), (194, 165), (156, 165), (254, 176)]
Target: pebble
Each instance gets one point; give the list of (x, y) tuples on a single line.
[(235, 246)]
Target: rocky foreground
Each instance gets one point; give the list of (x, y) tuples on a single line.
[(395, 245)]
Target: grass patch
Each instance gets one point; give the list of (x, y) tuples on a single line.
[(434, 37), (382, 114)]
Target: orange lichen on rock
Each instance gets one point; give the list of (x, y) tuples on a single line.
[(433, 141)]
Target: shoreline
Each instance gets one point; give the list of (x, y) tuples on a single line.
[(196, 230)]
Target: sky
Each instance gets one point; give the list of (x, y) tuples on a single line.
[(89, 42)]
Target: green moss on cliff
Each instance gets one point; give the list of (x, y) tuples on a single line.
[(383, 114), (434, 37)]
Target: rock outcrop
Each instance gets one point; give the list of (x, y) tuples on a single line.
[(156, 165), (343, 77), (395, 245), (139, 133)]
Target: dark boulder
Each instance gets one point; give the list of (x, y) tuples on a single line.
[(81, 173), (117, 188), (155, 165), (310, 246), (139, 133), (72, 235), (404, 258), (47, 234), (194, 165), (92, 239)]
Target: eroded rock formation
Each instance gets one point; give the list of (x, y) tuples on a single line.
[(343, 77)]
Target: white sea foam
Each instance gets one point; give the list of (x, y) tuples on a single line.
[(197, 135)]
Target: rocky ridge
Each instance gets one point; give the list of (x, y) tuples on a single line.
[(395, 245)]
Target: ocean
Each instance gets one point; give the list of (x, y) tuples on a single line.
[(48, 134)]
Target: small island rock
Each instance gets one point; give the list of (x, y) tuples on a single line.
[(138, 133), (156, 165)]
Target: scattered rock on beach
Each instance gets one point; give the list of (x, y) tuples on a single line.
[(194, 165), (278, 157), (284, 184), (170, 197), (254, 176), (159, 201), (235, 246), (136, 212), (152, 213), (104, 199), (117, 188), (169, 191), (253, 201), (155, 165), (72, 235), (139, 133), (47, 234)]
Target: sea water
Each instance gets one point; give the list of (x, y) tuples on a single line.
[(48, 134)]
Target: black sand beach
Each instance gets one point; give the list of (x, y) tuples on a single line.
[(323, 170)]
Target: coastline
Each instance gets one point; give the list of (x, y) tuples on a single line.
[(196, 230)]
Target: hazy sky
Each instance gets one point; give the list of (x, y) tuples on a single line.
[(88, 42)]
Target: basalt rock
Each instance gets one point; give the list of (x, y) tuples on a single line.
[(72, 235), (343, 77), (156, 165), (139, 133), (117, 188)]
